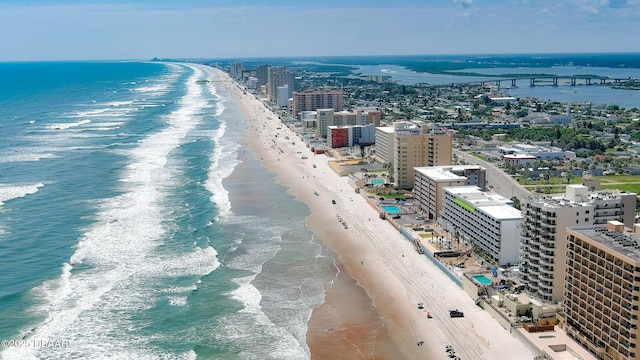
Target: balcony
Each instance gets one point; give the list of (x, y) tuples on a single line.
[(547, 262), (548, 248), (546, 275), (546, 286)]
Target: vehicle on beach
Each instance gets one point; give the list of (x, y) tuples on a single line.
[(333, 201), (455, 313)]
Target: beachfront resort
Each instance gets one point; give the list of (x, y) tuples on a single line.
[(537, 263)]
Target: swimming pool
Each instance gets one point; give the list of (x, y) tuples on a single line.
[(482, 279), (391, 209), (377, 182)]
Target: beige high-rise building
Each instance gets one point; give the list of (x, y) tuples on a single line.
[(366, 117), (602, 291), (344, 118), (279, 77), (312, 100), (418, 147), (544, 236), (324, 118)]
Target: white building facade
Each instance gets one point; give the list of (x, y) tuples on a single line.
[(486, 220)]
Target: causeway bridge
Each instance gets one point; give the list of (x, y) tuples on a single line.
[(549, 80)]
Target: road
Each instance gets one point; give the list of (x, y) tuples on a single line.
[(502, 183)]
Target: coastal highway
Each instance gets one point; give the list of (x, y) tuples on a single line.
[(502, 183)]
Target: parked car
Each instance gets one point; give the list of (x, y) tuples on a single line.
[(455, 313)]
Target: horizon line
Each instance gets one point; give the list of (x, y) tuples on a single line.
[(201, 58)]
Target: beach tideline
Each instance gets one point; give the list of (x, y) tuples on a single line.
[(370, 309)]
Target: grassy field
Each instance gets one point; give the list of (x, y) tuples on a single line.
[(629, 183), (552, 189), (634, 188), (479, 156), (551, 181), (618, 179)]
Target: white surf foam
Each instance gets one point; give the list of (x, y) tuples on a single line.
[(64, 126), (26, 156), (253, 331), (223, 159), (115, 269), (9, 192)]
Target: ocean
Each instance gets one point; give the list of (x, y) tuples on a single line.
[(134, 223)]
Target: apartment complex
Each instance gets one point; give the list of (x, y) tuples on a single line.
[(385, 140), (262, 75), (418, 147), (347, 136), (602, 292), (279, 77), (312, 100), (365, 117), (330, 118), (486, 220), (430, 181), (544, 237)]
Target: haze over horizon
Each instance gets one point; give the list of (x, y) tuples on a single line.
[(105, 30)]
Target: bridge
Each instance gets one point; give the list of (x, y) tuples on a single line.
[(545, 80)]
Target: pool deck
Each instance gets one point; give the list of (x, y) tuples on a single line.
[(482, 279)]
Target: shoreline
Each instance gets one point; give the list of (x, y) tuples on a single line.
[(378, 263)]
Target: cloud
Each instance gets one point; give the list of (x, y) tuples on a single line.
[(463, 3)]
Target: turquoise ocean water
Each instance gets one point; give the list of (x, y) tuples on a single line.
[(122, 233)]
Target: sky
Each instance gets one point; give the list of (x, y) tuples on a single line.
[(32, 30)]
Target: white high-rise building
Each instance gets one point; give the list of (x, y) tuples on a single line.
[(486, 220), (283, 96)]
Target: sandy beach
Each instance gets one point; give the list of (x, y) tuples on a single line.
[(370, 309)]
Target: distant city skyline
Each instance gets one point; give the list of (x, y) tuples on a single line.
[(106, 30)]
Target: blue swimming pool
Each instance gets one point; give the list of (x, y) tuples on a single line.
[(391, 209), (377, 181), (482, 279)]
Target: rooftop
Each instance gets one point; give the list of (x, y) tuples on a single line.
[(624, 243), (492, 204), (445, 172)]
